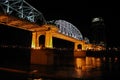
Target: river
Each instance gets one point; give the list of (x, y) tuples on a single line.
[(64, 68)]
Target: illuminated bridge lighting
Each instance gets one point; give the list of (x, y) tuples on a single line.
[(22, 9), (20, 14), (67, 29)]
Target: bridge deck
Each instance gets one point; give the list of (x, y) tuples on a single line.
[(20, 23)]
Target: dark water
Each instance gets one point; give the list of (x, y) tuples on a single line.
[(67, 67)]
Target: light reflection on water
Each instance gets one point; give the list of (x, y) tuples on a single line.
[(94, 68), (72, 68), (87, 67), (87, 63)]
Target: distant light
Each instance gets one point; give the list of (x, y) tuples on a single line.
[(97, 19)]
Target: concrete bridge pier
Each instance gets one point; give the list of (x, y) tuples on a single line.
[(79, 46), (42, 56), (79, 49), (48, 39), (35, 40)]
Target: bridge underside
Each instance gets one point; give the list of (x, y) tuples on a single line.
[(14, 37), (20, 23), (60, 43), (57, 43)]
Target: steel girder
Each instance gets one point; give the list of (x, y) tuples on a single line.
[(22, 9), (67, 29)]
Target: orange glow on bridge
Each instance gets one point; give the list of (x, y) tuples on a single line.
[(48, 30)]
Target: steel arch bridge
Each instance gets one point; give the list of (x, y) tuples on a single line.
[(22, 9), (67, 29)]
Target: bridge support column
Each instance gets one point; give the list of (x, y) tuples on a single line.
[(83, 46), (35, 40), (48, 39), (76, 47), (77, 50)]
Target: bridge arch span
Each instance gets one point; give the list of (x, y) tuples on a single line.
[(67, 28), (79, 46), (41, 41)]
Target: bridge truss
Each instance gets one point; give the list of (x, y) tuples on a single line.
[(22, 9), (67, 29)]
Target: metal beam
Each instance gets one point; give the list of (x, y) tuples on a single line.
[(22, 9), (20, 23)]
